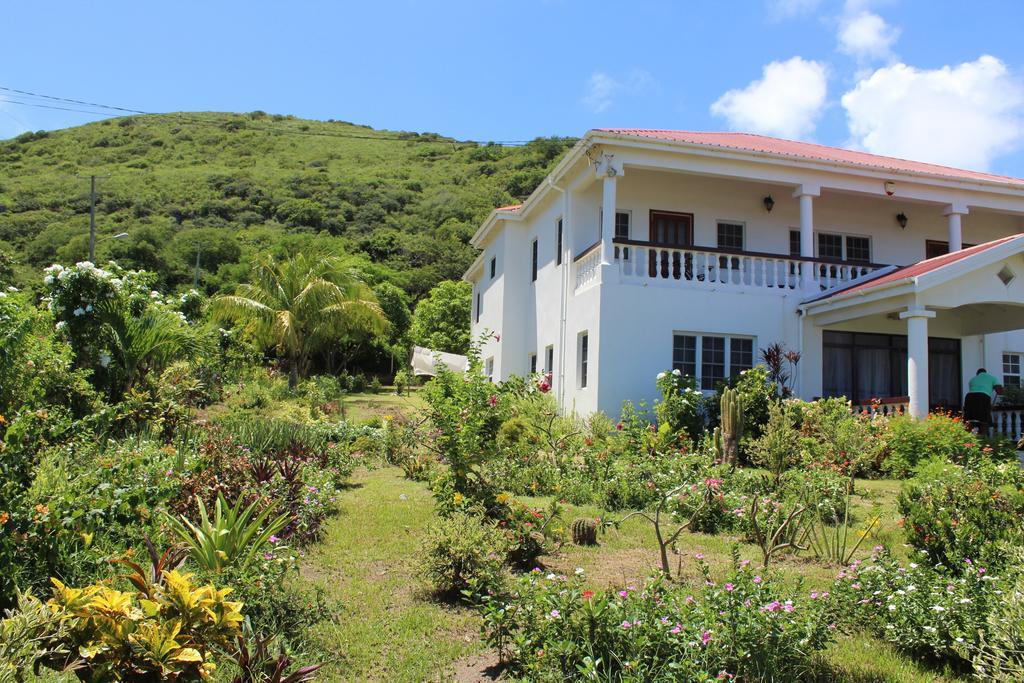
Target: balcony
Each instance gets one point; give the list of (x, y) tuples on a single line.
[(711, 268)]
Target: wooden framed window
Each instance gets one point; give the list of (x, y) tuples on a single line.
[(933, 248), (671, 229)]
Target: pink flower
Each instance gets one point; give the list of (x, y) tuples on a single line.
[(699, 556), (729, 587), (675, 629), (623, 594), (758, 579), (625, 625), (788, 606), (493, 400), (619, 426), (705, 637), (555, 614), (273, 539), (773, 606)]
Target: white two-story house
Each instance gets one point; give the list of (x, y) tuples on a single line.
[(646, 250)]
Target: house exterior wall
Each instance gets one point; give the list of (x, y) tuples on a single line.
[(630, 326)]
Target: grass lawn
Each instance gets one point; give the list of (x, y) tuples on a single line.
[(391, 629), (362, 407)]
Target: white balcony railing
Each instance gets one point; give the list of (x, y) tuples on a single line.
[(1006, 420), (717, 268), (588, 266)]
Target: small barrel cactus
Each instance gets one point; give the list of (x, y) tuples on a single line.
[(584, 532)]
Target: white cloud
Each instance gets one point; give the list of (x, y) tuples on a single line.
[(783, 9), (964, 115), (866, 36), (602, 88), (786, 101)]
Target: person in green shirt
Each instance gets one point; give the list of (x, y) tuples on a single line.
[(982, 388)]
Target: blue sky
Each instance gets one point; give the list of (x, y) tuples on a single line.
[(933, 80)]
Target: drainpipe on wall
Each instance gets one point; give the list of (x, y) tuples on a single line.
[(563, 294)]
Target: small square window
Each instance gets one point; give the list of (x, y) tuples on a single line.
[(730, 236), (1006, 275)]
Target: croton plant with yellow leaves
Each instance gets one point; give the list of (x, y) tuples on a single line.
[(166, 631)]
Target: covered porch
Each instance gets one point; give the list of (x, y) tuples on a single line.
[(910, 338)]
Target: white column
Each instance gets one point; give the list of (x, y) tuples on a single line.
[(806, 195), (954, 213), (608, 219), (917, 358)]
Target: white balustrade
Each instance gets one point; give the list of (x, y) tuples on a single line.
[(588, 268), (886, 407), (693, 267), (1008, 421)]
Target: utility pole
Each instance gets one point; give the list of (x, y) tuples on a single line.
[(92, 219)]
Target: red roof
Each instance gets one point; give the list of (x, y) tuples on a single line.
[(510, 207), (926, 266), (748, 142)]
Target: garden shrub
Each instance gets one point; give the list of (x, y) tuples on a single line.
[(837, 438), (778, 448), (463, 550), (999, 654), (952, 514), (743, 627), (910, 441), (679, 409), (934, 612)]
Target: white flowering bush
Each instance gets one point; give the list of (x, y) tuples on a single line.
[(680, 407), (118, 326), (926, 610)]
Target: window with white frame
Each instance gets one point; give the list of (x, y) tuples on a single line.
[(583, 353), (533, 363), (1011, 369), (549, 358), (840, 247), (489, 369), (730, 236), (711, 359), (622, 230)]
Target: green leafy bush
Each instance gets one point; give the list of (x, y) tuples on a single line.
[(462, 551), (910, 441), (952, 514)]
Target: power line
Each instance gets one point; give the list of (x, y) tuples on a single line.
[(184, 118)]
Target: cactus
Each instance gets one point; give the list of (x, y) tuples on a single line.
[(583, 531), (728, 440)]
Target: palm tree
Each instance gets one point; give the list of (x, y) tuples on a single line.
[(145, 343), (301, 304)]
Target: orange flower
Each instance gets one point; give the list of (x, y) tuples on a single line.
[(3, 518), (42, 509)]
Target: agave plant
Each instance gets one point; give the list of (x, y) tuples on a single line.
[(234, 536)]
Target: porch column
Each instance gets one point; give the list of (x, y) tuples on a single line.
[(609, 171), (806, 195), (954, 213), (917, 358)]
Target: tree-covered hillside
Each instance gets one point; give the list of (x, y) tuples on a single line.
[(237, 184)]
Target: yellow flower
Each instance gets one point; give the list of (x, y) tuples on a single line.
[(458, 499), (503, 498)]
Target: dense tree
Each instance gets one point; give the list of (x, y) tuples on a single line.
[(301, 304), (441, 320)]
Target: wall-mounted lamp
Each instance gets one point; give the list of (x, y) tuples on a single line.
[(769, 203), (901, 218), (890, 188)]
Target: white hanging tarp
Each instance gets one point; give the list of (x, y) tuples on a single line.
[(424, 361)]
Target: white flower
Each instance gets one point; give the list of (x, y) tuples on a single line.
[(930, 629), (661, 375), (79, 311), (579, 570), (938, 608), (88, 308), (677, 372), (104, 358), (892, 608), (85, 265), (154, 294), (964, 601), (60, 326), (48, 280), (551, 577)]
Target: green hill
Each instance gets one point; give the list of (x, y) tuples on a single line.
[(235, 184)]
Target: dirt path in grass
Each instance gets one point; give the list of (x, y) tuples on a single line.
[(389, 628)]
